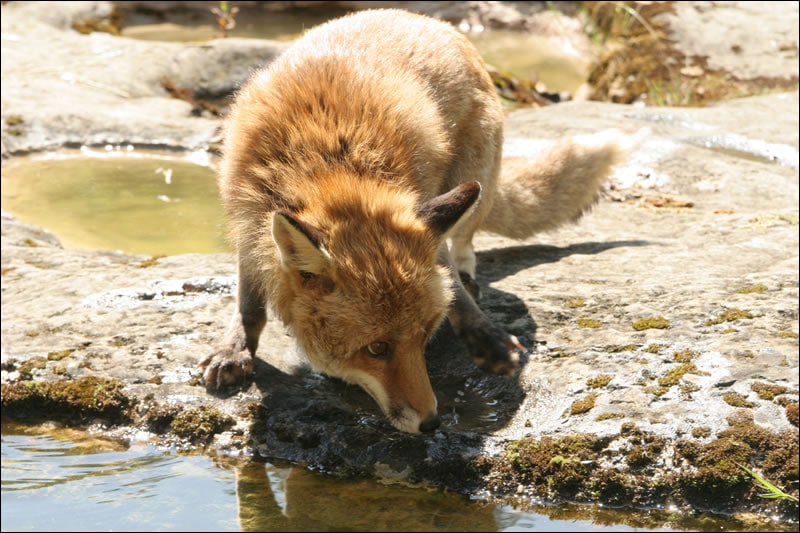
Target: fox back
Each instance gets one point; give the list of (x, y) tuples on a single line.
[(340, 187)]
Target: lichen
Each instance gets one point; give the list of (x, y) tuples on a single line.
[(573, 303), (589, 323), (58, 356), (737, 400), (616, 348), (583, 404), (150, 262), (729, 315), (651, 323), (767, 391), (609, 416), (684, 356), (674, 375), (654, 348), (599, 381), (758, 288)]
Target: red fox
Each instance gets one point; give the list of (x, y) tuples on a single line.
[(349, 163)]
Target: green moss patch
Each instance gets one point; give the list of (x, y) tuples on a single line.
[(599, 381), (572, 468), (80, 400), (768, 391), (589, 323), (737, 400), (200, 424), (758, 288), (674, 375), (658, 322), (729, 315), (684, 356), (583, 405)]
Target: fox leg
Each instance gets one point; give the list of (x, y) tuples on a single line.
[(232, 362), (491, 348), (464, 260)]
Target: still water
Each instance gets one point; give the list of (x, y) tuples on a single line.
[(56, 479), (524, 55), (141, 202)]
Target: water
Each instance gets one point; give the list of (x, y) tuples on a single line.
[(137, 201), (59, 479), (523, 55)]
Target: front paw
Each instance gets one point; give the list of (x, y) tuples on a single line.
[(226, 367), (492, 349)]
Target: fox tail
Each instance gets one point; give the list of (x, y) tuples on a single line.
[(559, 187)]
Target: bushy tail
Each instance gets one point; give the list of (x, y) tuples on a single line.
[(558, 187)]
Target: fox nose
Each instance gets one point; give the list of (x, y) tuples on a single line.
[(430, 424)]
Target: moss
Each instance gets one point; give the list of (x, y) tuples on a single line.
[(58, 356), (657, 391), (641, 456), (706, 475), (609, 416), (80, 400), (674, 375), (701, 432), (729, 315), (687, 389), (654, 348), (201, 424), (583, 405), (31, 243), (150, 262), (787, 334), (31, 333), (737, 400), (726, 331), (573, 303), (599, 381), (767, 391), (14, 120), (651, 323), (791, 413), (758, 288), (589, 323), (37, 362), (684, 356), (616, 348)]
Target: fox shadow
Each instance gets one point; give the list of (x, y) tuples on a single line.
[(335, 427)]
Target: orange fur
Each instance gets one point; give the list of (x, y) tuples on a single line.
[(349, 162)]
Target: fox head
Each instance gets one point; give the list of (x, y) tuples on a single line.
[(362, 290)]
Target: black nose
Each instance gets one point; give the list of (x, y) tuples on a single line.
[(430, 424)]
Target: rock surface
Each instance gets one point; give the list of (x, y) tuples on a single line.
[(699, 228)]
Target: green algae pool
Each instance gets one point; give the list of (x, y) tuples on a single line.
[(137, 201)]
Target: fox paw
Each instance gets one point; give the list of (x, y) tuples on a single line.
[(493, 350), (226, 367)]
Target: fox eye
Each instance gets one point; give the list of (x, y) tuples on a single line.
[(378, 349)]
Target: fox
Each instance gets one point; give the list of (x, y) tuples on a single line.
[(356, 168)]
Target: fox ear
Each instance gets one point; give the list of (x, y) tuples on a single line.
[(443, 212), (300, 244)]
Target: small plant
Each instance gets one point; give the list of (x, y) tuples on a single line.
[(225, 17), (772, 490)]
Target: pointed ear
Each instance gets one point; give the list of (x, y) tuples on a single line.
[(443, 212), (300, 244)]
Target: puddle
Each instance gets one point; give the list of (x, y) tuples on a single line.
[(137, 201), (523, 55), (56, 479)]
